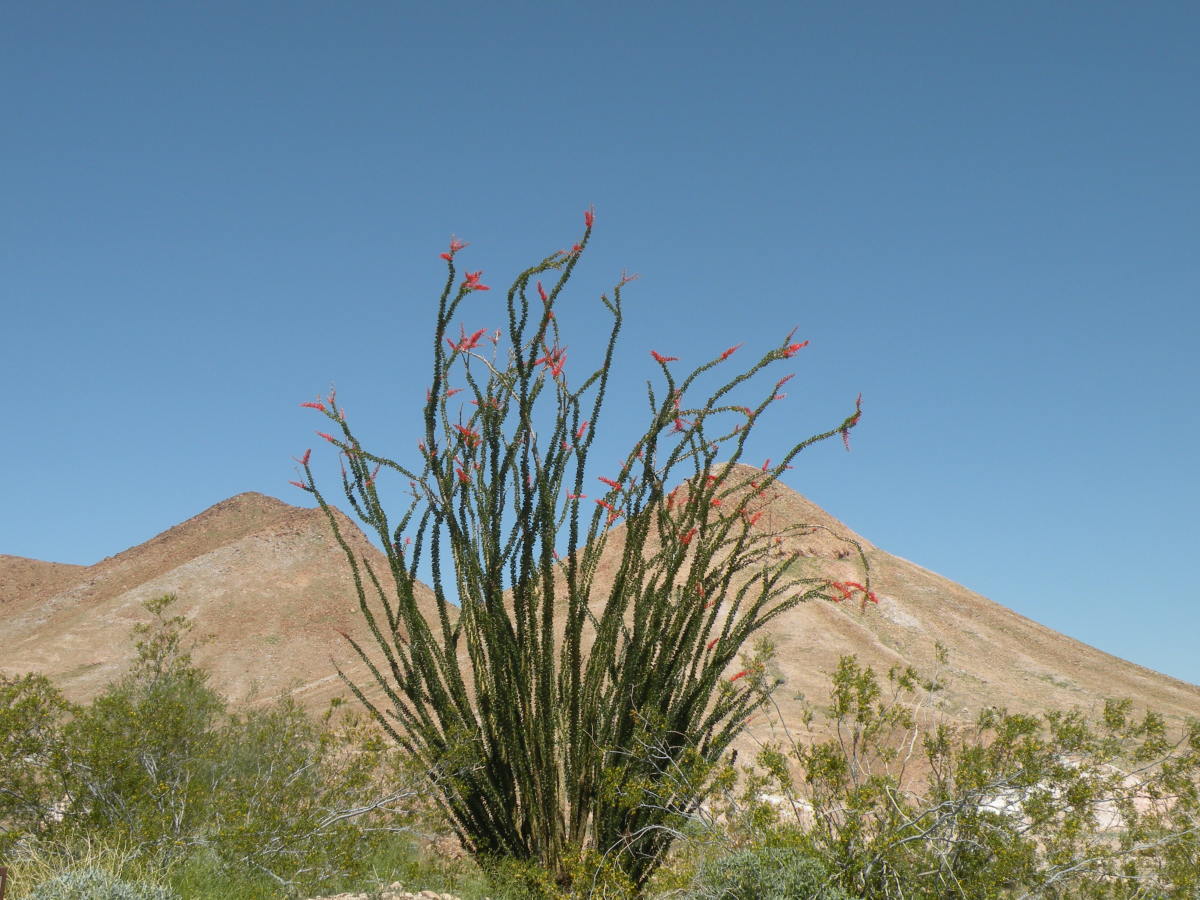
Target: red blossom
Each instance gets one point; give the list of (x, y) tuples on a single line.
[(626, 278), (792, 349), (712, 644), (613, 513), (452, 391), (848, 588), (542, 292), (576, 248), (686, 539), (318, 405), (455, 246), (589, 216), (732, 350), (615, 485), (462, 476), (750, 520), (471, 437), (741, 674), (582, 429), (328, 437), (554, 360), (303, 487), (715, 501), (576, 496), (678, 424), (659, 358), (766, 465), (465, 341), (471, 282)]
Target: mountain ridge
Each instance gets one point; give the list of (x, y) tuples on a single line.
[(268, 585)]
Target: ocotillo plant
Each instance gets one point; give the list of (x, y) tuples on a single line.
[(567, 702)]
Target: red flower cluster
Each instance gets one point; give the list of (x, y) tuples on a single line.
[(467, 341), (455, 246), (613, 513), (471, 282), (847, 589), (471, 437), (659, 358), (732, 350), (554, 360)]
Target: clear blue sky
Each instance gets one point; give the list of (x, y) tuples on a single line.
[(982, 215)]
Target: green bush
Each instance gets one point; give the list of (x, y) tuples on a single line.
[(765, 873), (31, 716), (97, 884), (904, 802), (157, 765)]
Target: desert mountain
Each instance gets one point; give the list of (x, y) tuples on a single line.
[(269, 588), (265, 583)]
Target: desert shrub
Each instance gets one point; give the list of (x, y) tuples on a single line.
[(765, 873), (32, 712), (904, 803), (141, 754), (97, 884), (71, 866), (583, 717), (158, 764)]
